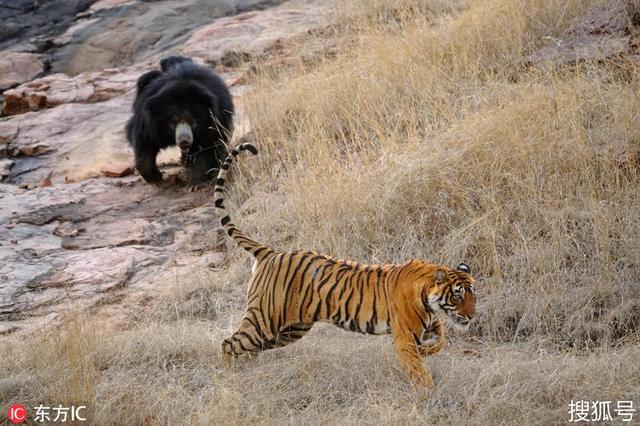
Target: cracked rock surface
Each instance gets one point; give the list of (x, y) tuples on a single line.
[(78, 241), (77, 228)]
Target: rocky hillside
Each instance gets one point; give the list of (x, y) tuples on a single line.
[(77, 228)]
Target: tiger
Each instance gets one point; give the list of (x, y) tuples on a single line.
[(289, 291)]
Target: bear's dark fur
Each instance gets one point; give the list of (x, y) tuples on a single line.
[(185, 104)]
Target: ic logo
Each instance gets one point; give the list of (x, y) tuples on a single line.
[(17, 413)]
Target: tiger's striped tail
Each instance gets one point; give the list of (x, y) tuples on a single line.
[(253, 247)]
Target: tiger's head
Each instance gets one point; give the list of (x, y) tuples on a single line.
[(453, 294)]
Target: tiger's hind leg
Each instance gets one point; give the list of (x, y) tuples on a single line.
[(290, 334), (247, 339)]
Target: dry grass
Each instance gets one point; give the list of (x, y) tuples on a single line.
[(428, 138)]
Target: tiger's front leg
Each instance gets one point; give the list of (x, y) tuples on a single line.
[(412, 362), (432, 339)]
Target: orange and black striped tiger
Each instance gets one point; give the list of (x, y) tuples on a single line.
[(289, 291)]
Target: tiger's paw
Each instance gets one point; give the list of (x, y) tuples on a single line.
[(423, 381), (422, 394), (228, 354), (427, 383)]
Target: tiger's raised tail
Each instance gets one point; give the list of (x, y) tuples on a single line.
[(253, 247)]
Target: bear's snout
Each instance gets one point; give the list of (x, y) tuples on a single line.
[(184, 137)]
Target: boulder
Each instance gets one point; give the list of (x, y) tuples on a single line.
[(58, 89), (236, 39), (18, 67), (601, 34)]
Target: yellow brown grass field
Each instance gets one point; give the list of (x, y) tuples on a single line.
[(426, 136)]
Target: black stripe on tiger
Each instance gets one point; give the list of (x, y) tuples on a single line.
[(255, 248)]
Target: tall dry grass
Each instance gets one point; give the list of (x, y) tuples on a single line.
[(429, 137)]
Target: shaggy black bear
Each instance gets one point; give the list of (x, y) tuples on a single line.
[(186, 104)]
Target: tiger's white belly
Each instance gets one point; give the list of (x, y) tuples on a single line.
[(428, 338), (382, 328)]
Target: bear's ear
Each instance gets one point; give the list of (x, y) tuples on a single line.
[(147, 78), (440, 276), (170, 62)]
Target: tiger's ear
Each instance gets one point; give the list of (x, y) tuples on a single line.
[(464, 268), (440, 276)]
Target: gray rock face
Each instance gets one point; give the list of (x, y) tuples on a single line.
[(32, 19), (142, 31), (603, 33), (58, 89), (53, 143), (18, 67), (70, 235), (62, 244), (251, 33), (85, 35)]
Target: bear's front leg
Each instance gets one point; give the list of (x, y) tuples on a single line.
[(204, 165), (146, 165)]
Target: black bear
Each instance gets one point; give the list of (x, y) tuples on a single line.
[(186, 104)]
